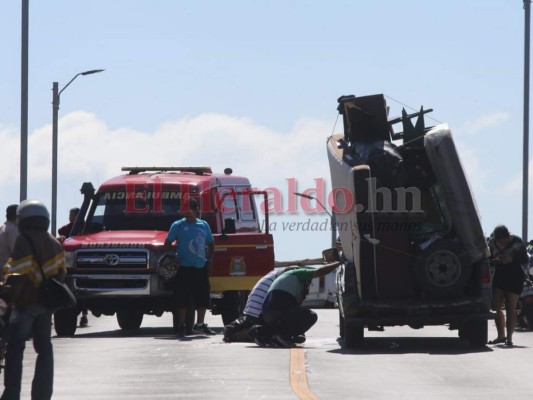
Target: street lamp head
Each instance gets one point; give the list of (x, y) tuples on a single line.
[(314, 198), (305, 195), (92, 71)]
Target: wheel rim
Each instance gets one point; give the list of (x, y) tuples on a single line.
[(443, 268)]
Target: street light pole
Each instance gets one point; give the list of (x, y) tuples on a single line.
[(56, 96), (525, 161), (24, 103)]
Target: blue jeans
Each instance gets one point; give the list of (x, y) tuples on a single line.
[(33, 321), (284, 316)]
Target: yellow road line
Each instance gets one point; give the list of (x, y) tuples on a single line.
[(298, 375)]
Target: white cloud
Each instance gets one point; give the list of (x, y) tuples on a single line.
[(90, 151), (513, 187), (483, 122)]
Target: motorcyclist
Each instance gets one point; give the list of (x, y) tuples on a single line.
[(36, 253)]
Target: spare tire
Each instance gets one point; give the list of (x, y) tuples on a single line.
[(442, 269)]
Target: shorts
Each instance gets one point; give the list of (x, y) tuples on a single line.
[(192, 283), (509, 281)]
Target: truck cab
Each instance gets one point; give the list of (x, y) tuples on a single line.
[(116, 241)]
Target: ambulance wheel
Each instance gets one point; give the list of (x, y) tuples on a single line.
[(129, 320), (65, 322), (232, 305)]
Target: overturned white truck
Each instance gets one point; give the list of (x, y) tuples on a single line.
[(415, 253)]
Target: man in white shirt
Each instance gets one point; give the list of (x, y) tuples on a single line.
[(8, 235)]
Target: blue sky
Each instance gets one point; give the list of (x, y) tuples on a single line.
[(253, 85)]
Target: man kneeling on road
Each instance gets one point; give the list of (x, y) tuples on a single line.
[(242, 329), (284, 317)]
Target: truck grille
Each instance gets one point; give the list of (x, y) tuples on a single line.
[(132, 259)]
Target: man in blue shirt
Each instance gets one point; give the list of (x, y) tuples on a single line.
[(195, 248)]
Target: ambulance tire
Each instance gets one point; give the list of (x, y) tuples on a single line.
[(129, 320), (65, 322), (232, 305)]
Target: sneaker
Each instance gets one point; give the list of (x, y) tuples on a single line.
[(83, 321), (203, 329), (265, 342), (283, 342), (180, 331), (260, 342), (298, 339)]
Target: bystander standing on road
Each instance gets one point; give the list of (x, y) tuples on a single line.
[(8, 235), (508, 254), (64, 233), (195, 249), (36, 252)]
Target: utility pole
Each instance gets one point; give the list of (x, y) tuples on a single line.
[(24, 102), (525, 173), (56, 97)]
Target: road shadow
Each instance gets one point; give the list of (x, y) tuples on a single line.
[(155, 332), (411, 345)]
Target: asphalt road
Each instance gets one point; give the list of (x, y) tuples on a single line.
[(103, 362)]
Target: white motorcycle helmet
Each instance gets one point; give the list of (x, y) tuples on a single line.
[(33, 214)]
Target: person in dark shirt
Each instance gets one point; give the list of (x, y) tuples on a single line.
[(508, 254), (64, 233), (37, 255)]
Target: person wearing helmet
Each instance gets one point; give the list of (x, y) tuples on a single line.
[(35, 248)]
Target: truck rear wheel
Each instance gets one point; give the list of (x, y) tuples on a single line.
[(65, 322), (476, 332), (529, 318), (341, 325), (354, 336), (129, 320)]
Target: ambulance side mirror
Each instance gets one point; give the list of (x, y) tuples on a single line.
[(330, 255), (229, 226)]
